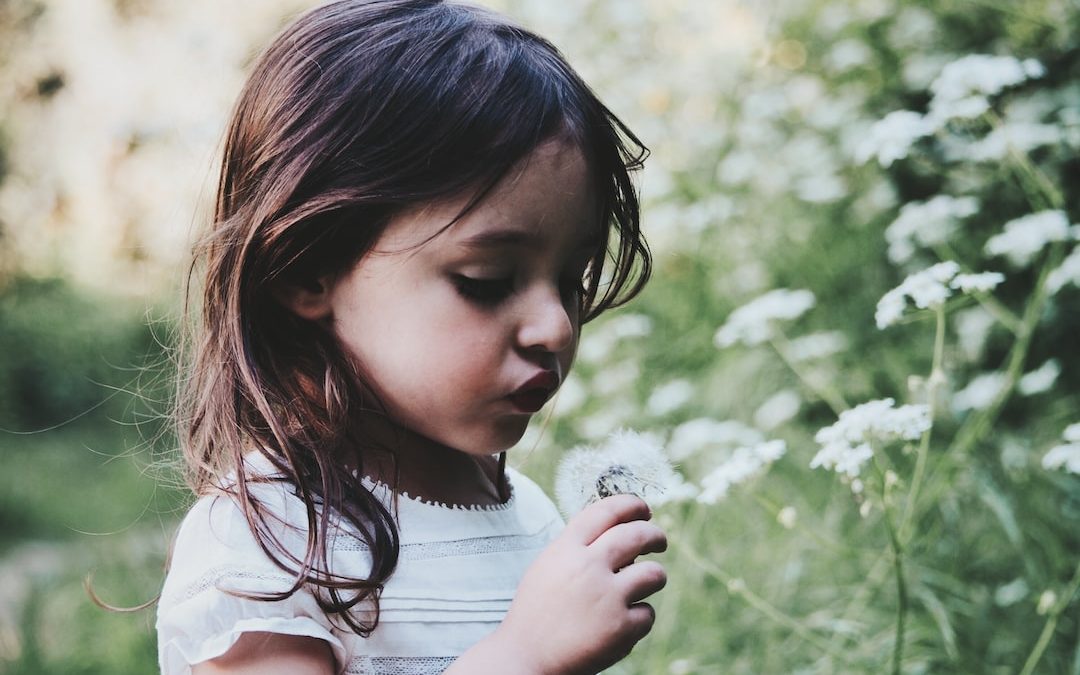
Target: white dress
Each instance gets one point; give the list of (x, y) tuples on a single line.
[(457, 572)]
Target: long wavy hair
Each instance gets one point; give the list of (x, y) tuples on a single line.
[(356, 111)]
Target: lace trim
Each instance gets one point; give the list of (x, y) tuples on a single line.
[(457, 547), (398, 665), (374, 485), (213, 577)]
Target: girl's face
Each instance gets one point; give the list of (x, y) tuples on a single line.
[(464, 337)]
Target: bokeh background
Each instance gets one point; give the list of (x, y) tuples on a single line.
[(767, 172)]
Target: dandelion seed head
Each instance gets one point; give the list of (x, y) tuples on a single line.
[(625, 463)]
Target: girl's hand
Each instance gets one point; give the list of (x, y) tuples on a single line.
[(579, 607)]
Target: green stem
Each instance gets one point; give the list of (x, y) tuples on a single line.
[(937, 375), (1051, 623), (738, 587), (978, 423), (782, 347), (901, 582)]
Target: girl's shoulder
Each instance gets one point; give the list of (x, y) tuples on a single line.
[(218, 569)]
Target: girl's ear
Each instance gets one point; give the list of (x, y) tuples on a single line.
[(308, 299)]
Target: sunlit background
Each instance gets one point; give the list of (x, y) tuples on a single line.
[(781, 159)]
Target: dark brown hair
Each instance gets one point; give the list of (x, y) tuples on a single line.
[(358, 110)]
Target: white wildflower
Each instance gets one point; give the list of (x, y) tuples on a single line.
[(1072, 433), (1039, 380), (787, 517), (846, 445), (777, 409), (1024, 237), (1066, 455), (1046, 602), (752, 323), (743, 464), (1066, 273), (816, 345), (1011, 593), (626, 463), (961, 90), (681, 667), (982, 282), (973, 326), (926, 224), (670, 396), (891, 137), (692, 437), (926, 289), (979, 393), (1020, 137)]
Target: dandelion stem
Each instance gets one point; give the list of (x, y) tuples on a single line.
[(738, 587), (1051, 623), (831, 397), (933, 382)]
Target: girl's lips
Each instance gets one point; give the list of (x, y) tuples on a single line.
[(531, 396)]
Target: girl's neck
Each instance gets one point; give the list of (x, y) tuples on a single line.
[(427, 470)]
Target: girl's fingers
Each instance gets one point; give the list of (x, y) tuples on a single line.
[(642, 616), (642, 579), (624, 542), (599, 517)]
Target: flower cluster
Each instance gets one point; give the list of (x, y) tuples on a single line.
[(960, 91), (930, 288), (847, 444), (1024, 237), (626, 463), (743, 464), (926, 224), (1066, 455), (962, 88), (752, 323)]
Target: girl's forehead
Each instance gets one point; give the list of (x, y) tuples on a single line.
[(549, 197)]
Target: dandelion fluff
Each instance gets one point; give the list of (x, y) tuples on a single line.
[(625, 463)]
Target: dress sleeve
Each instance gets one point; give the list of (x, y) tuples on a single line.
[(215, 556)]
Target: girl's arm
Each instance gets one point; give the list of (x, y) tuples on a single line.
[(271, 654), (579, 608)]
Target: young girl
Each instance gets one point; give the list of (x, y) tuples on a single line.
[(420, 204)]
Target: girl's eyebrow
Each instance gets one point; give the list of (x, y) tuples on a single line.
[(511, 237)]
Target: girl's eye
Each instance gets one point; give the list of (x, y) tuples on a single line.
[(484, 291)]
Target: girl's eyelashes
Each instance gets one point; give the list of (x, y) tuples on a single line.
[(482, 290)]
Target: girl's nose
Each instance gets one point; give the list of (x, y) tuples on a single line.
[(546, 323)]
